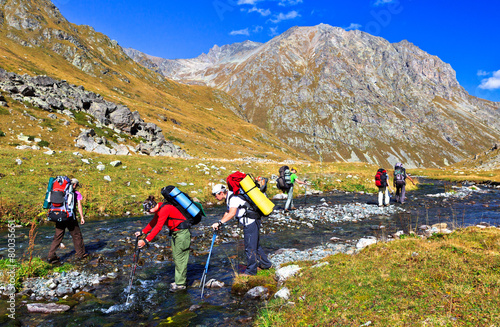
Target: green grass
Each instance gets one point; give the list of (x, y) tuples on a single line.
[(452, 280), (37, 268)]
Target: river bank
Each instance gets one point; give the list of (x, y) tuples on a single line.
[(339, 220)]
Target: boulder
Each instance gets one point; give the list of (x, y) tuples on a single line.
[(283, 293), (100, 111), (284, 273), (43, 80), (365, 241), (123, 119), (258, 292), (27, 90)]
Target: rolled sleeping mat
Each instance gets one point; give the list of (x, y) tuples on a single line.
[(184, 202), (265, 205)]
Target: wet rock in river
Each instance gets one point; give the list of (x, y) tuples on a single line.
[(47, 307), (213, 283)]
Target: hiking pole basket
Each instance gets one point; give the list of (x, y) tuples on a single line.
[(135, 260), (204, 276)]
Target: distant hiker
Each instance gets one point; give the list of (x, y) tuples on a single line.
[(382, 182), (293, 179), (61, 200), (399, 182), (251, 221), (262, 182), (178, 212)]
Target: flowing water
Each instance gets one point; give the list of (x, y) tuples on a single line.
[(110, 244)]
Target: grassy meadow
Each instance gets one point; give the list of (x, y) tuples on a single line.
[(446, 280), (23, 187)]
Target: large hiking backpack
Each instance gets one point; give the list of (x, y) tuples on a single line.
[(60, 199), (399, 176), (284, 181), (233, 184), (381, 178), (191, 210)]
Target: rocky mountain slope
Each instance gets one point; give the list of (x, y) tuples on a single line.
[(36, 40), (347, 96), (486, 160)]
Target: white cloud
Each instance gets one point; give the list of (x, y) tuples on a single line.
[(247, 2), (383, 2), (263, 12), (281, 16), (482, 73), (273, 31), (289, 2), (491, 83), (353, 26), (257, 29), (240, 32)]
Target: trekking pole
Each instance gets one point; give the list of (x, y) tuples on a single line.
[(204, 276), (305, 192), (132, 273)]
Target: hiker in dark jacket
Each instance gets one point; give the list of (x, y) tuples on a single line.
[(169, 215), (293, 180), (74, 229), (262, 182), (236, 207), (399, 182)]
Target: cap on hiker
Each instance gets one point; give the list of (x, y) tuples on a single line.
[(217, 188), (294, 168), (74, 181), (399, 165)]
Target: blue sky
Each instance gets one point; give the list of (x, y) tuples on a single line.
[(464, 34)]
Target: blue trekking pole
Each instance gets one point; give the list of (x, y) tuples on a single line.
[(204, 276)]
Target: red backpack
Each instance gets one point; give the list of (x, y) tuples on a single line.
[(233, 182), (60, 200), (381, 178)]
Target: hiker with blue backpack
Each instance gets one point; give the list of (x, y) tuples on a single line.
[(240, 207), (178, 212), (62, 195), (399, 181)]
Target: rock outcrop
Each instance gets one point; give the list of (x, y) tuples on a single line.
[(54, 95)]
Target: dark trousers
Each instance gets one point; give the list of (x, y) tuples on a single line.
[(400, 193), (253, 251), (72, 225)]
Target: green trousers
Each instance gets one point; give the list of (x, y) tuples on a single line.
[(181, 241)]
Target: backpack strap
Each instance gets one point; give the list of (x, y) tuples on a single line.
[(185, 224)]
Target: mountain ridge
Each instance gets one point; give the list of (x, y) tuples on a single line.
[(35, 39), (349, 96)]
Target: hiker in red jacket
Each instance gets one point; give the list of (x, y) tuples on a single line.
[(178, 225)]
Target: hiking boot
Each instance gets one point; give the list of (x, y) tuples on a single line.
[(175, 288), (85, 255), (264, 267), (53, 260)]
